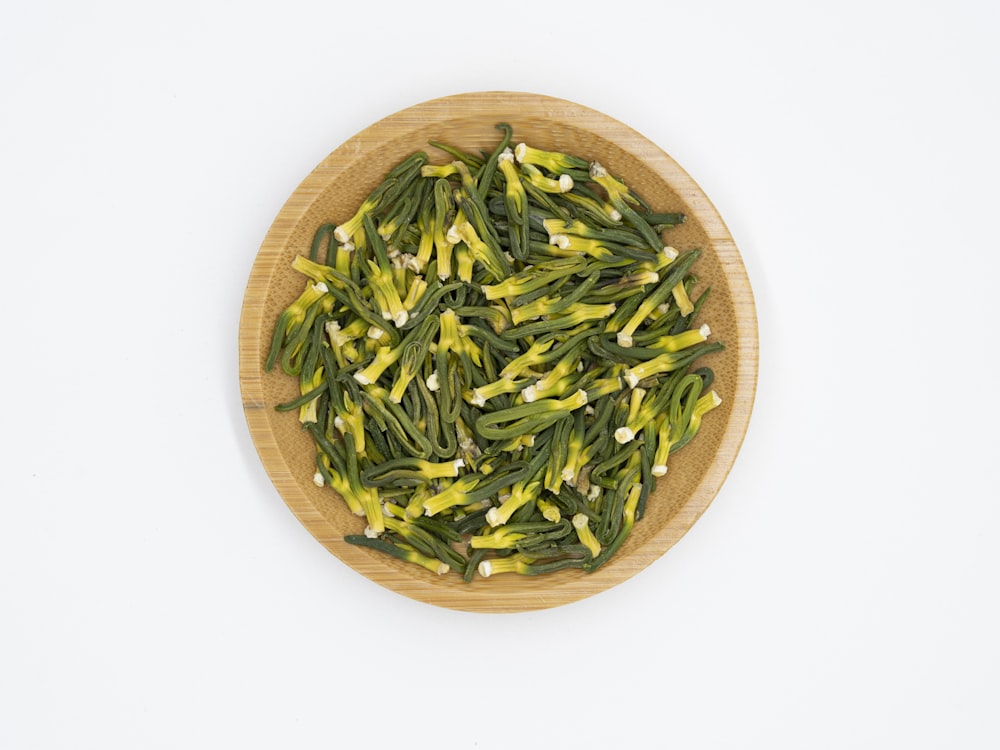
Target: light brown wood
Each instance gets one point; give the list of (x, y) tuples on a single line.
[(333, 191)]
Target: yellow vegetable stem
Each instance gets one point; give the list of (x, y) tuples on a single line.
[(584, 533)]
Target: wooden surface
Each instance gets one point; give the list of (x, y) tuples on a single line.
[(333, 191)]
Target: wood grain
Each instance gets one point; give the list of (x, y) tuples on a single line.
[(333, 191)]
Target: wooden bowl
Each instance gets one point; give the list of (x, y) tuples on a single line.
[(333, 192)]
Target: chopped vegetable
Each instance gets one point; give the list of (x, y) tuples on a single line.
[(495, 358)]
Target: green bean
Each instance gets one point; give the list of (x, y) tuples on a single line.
[(663, 219), (399, 550), (436, 431), (470, 160), (571, 502), (408, 470), (438, 528), (323, 236), (535, 278), (469, 522), (580, 312), (611, 519), (426, 542), (526, 418), (398, 423), (476, 557), (685, 320), (489, 168), (305, 398), (521, 565)]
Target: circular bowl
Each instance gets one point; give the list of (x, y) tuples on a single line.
[(334, 190)]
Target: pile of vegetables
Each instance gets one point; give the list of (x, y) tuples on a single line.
[(496, 358)]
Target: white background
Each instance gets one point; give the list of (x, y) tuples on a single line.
[(841, 591)]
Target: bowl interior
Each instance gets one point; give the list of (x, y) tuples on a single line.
[(333, 191)]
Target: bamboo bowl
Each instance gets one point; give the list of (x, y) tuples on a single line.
[(333, 191)]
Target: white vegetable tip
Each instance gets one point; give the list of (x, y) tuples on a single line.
[(485, 568), (624, 339), (624, 435), (559, 240)]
